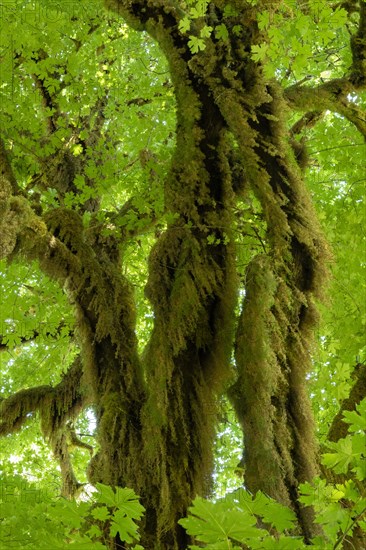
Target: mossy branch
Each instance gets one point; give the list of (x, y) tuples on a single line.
[(358, 49), (138, 12), (331, 96), (62, 442), (55, 405), (20, 407)]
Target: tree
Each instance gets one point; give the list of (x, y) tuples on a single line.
[(81, 193)]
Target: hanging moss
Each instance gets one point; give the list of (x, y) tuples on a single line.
[(192, 287), (298, 257), (55, 407)]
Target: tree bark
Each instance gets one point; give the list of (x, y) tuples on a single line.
[(224, 99)]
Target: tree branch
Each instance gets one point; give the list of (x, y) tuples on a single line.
[(331, 96), (334, 95), (358, 48), (48, 101), (55, 404), (308, 120), (20, 407)]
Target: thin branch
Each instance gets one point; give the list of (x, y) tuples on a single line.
[(308, 120), (342, 538), (333, 95), (337, 147)]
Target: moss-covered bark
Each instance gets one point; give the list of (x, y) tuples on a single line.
[(274, 337), (222, 92), (106, 329)]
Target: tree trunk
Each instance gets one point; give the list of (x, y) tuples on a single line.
[(224, 102)]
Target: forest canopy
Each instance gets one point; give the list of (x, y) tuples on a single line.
[(183, 274)]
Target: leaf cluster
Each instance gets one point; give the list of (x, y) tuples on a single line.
[(32, 518)]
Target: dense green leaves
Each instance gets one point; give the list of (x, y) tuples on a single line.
[(349, 453), (234, 519), (291, 50), (32, 519)]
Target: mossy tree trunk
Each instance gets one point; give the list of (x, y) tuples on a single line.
[(223, 100)]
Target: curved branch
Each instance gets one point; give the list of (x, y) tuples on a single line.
[(308, 120), (331, 96), (54, 404), (70, 485)]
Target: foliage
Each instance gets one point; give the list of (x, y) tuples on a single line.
[(349, 453), (260, 522), (32, 519), (234, 519), (290, 49)]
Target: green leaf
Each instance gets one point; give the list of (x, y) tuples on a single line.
[(213, 522), (263, 20), (340, 460), (184, 24), (94, 531), (196, 44), (77, 150), (125, 526), (128, 502), (102, 513), (259, 51), (206, 31), (280, 517), (200, 9), (72, 514), (106, 495), (356, 419), (221, 32)]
